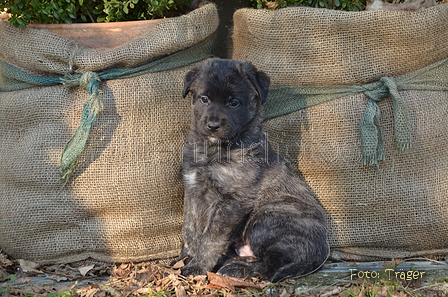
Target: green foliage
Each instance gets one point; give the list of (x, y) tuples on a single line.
[(126, 10), (348, 5), (24, 12)]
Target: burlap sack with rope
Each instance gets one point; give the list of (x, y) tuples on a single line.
[(123, 197), (358, 105)]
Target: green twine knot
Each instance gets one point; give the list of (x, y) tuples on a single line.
[(89, 81), (371, 137)]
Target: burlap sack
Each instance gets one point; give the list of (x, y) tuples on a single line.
[(124, 199), (398, 209)]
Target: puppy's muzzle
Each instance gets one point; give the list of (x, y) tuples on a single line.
[(213, 126)]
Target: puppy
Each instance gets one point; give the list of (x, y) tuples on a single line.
[(245, 213)]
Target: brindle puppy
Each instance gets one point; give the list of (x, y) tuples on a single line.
[(243, 206)]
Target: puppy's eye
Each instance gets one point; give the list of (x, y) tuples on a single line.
[(234, 103), (204, 99)]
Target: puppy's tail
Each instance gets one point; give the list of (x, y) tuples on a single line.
[(292, 270), (297, 267)]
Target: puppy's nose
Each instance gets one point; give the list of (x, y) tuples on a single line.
[(213, 126)]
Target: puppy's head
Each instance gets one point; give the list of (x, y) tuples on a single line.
[(227, 98)]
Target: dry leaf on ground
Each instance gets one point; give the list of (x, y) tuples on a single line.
[(179, 264), (28, 266), (85, 269), (220, 281), (4, 261)]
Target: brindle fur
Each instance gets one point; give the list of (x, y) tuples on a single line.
[(237, 190)]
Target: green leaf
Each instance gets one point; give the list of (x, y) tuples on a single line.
[(36, 5), (56, 16), (22, 23), (12, 277)]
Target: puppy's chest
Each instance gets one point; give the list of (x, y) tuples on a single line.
[(229, 176), (235, 172), (224, 177)]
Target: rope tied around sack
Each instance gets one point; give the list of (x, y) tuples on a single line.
[(90, 81), (371, 137), (434, 77), (13, 79)]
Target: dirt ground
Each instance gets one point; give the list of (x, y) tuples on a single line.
[(421, 277)]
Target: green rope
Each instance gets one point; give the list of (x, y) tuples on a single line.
[(284, 100), (12, 79), (371, 138), (89, 81), (281, 101)]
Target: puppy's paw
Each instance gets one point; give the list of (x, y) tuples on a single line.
[(238, 269), (192, 270)]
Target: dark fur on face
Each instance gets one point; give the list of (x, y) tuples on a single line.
[(221, 112), (245, 213)]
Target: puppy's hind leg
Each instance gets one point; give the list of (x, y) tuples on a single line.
[(242, 267), (288, 239)]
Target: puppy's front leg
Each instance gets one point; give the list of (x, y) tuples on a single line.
[(220, 219), (193, 224)]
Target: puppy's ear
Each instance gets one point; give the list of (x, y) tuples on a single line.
[(188, 80), (259, 79)]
